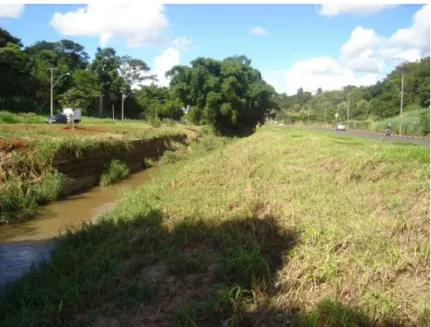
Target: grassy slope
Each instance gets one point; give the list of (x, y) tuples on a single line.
[(335, 227)]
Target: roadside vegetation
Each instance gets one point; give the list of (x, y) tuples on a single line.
[(285, 227), (367, 107)]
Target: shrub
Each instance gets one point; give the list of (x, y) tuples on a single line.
[(113, 172)]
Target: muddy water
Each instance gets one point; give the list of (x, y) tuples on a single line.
[(25, 243)]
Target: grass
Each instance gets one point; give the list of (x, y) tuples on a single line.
[(414, 123), (26, 170), (114, 171), (285, 227), (7, 117), (411, 123)]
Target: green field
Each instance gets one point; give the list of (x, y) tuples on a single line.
[(285, 227)]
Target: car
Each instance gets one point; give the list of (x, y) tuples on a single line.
[(340, 127), (57, 119)]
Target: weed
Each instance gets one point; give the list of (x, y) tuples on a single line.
[(114, 171), (267, 229)]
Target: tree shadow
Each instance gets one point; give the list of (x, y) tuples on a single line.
[(155, 270)]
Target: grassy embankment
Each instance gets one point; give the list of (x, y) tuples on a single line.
[(286, 227), (27, 176)]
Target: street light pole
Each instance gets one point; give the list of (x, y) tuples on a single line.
[(401, 98), (401, 101), (348, 109), (123, 98), (52, 91), (52, 88)]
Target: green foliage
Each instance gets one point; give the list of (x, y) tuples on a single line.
[(7, 117), (425, 122), (228, 94), (20, 199), (114, 171), (375, 102)]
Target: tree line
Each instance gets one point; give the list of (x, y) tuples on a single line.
[(374, 102), (228, 94)]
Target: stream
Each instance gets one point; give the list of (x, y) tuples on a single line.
[(23, 244)]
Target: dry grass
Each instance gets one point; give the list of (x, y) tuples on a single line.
[(359, 209)]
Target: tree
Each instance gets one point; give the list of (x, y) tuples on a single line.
[(6, 37), (228, 94), (319, 91), (105, 66), (83, 94), (134, 71)]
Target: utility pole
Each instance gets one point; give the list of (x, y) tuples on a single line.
[(123, 98), (401, 98), (401, 101), (348, 109), (52, 87), (113, 115), (52, 91), (324, 106)]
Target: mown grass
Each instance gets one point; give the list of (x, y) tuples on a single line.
[(269, 229)]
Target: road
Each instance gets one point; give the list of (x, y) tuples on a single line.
[(425, 142)]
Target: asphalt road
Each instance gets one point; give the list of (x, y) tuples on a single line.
[(425, 142)]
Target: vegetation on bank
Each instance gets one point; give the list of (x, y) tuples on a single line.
[(284, 227), (28, 177), (114, 171)]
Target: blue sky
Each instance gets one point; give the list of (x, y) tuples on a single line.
[(302, 45)]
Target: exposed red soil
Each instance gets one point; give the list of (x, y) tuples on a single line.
[(12, 143)]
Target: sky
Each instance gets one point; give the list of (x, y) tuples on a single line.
[(293, 46)]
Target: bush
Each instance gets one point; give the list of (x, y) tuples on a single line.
[(21, 199), (113, 172), (155, 122), (169, 122), (425, 122)]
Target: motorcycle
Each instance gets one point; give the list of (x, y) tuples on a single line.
[(388, 132)]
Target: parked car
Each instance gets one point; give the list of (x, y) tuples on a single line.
[(340, 127), (57, 119)]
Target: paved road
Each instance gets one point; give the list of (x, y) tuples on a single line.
[(425, 142)]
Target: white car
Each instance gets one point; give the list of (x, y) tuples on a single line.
[(340, 127)]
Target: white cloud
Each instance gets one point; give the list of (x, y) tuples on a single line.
[(168, 59), (276, 79), (332, 9), (324, 72), (258, 31), (363, 57), (182, 43), (11, 10), (141, 24)]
